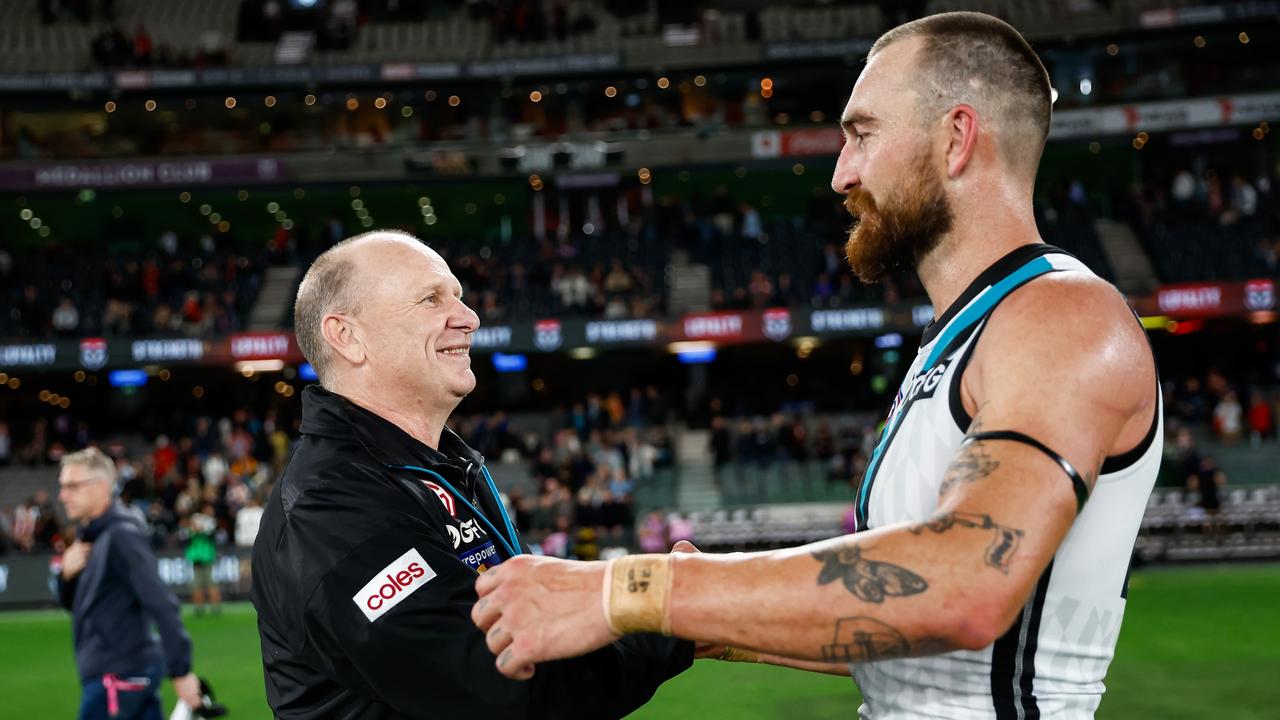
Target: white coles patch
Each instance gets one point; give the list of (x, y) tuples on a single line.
[(393, 584)]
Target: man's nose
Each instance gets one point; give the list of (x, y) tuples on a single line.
[(846, 176), (464, 318)]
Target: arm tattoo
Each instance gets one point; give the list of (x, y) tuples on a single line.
[(1004, 542), (504, 658), (970, 465), (869, 580), (865, 639)]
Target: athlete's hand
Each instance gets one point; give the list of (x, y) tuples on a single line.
[(187, 688), (75, 558), (534, 609)]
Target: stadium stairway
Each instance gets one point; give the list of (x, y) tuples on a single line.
[(1135, 275), (275, 301), (697, 489), (19, 483), (690, 284)]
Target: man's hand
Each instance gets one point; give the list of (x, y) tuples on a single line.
[(75, 558), (187, 688), (537, 608)]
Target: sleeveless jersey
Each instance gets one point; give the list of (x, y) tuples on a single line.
[(1053, 659)]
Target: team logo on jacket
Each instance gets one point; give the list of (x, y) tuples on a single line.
[(1260, 295), (393, 584), (777, 324), (445, 498), (467, 531), (546, 335), (93, 353)]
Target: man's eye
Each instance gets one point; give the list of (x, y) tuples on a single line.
[(859, 138)]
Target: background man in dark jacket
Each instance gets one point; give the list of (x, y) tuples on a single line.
[(365, 563), (110, 584)]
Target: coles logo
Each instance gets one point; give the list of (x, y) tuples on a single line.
[(93, 353), (546, 335), (777, 324), (393, 584), (1259, 294)]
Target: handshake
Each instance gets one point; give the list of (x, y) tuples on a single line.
[(536, 609)]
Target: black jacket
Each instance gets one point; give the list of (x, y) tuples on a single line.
[(364, 577), (117, 596)]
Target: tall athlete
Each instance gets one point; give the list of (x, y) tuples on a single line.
[(999, 510)]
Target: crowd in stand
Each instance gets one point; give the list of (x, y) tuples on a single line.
[(1205, 221), (222, 467), (840, 446), (167, 291), (583, 468)]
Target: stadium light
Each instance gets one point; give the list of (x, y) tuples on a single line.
[(246, 367)]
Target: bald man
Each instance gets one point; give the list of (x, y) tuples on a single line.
[(996, 519), (364, 567)]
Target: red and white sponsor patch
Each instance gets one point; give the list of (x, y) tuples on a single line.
[(445, 498), (393, 584)]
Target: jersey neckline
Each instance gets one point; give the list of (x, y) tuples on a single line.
[(994, 273)]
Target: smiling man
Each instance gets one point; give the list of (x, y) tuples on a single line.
[(995, 521), (365, 563)]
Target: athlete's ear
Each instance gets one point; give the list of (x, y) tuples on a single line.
[(343, 337), (962, 138)]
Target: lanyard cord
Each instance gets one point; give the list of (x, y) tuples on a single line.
[(506, 520), (513, 547)]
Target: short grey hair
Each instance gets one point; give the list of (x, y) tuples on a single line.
[(331, 285), (93, 459)]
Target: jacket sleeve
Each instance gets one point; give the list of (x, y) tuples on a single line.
[(403, 634), (67, 590), (135, 556)]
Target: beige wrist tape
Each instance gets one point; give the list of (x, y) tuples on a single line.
[(637, 594), (733, 654)]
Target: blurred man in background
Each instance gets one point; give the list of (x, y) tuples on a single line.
[(110, 584), (202, 551)]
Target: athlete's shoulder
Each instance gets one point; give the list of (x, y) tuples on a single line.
[(1069, 330)]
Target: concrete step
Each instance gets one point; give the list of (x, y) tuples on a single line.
[(1135, 274), (275, 299)]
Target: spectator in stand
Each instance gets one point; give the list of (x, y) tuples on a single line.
[(652, 534), (142, 47), (1260, 418), (1228, 418), (65, 319), (6, 444), (1208, 480), (1244, 201)]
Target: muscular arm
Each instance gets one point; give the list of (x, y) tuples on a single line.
[(1083, 385)]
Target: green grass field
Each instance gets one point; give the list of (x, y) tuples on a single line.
[(1196, 643)]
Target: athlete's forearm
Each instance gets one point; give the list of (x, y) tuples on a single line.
[(895, 592), (841, 669)]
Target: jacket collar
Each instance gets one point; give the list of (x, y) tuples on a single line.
[(116, 513), (330, 415)]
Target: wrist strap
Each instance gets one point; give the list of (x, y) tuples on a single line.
[(637, 594)]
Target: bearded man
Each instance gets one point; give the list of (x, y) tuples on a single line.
[(988, 572)]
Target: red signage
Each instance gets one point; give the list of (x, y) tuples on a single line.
[(1199, 300), (818, 141), (261, 346), (714, 326)]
